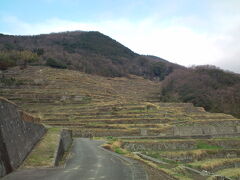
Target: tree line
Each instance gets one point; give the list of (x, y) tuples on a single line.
[(206, 86)]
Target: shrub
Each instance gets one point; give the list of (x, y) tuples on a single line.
[(13, 58), (55, 64)]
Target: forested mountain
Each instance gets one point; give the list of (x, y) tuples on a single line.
[(90, 52), (206, 86), (95, 53)]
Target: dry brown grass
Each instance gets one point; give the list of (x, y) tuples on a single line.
[(210, 164), (233, 173), (64, 97)]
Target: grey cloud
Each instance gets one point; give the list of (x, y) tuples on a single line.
[(230, 47)]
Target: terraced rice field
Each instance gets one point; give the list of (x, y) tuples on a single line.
[(210, 157), (129, 108)]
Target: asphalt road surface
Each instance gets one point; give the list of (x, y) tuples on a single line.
[(87, 162)]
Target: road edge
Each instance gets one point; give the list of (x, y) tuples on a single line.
[(137, 169)]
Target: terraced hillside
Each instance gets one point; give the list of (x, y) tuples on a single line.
[(191, 158), (129, 108), (142, 118), (64, 96), (99, 106)]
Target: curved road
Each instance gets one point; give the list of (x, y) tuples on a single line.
[(87, 162)]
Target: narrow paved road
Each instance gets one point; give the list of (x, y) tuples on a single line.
[(87, 162)]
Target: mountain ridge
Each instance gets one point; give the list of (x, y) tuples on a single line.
[(95, 53), (91, 52)]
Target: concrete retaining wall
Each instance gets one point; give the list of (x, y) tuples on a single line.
[(17, 136), (65, 142), (4, 159)]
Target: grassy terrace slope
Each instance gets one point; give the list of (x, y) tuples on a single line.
[(65, 97), (101, 106), (93, 105), (215, 156)]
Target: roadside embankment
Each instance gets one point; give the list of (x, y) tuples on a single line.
[(19, 132)]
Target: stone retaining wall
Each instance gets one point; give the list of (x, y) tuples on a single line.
[(217, 128), (104, 133), (17, 136), (159, 146), (177, 145), (210, 128)]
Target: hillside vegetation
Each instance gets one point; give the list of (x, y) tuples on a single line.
[(93, 85), (103, 105), (89, 52), (205, 86), (98, 54)]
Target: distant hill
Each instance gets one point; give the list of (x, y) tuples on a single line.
[(90, 52), (95, 53), (205, 86)]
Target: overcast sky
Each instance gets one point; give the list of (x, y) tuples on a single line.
[(187, 32)]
